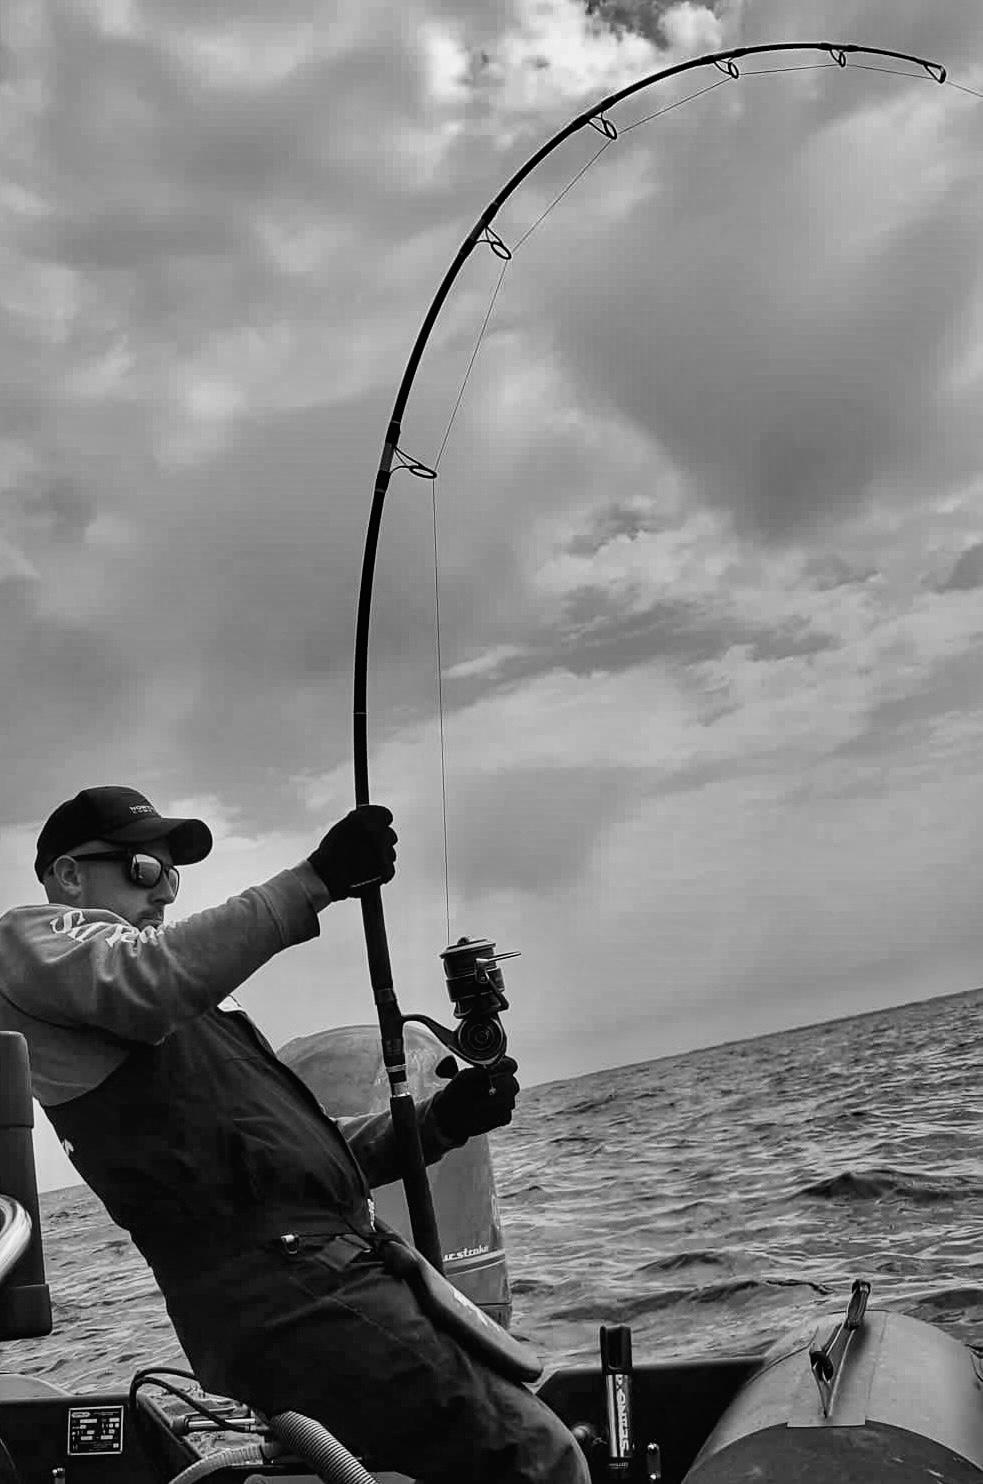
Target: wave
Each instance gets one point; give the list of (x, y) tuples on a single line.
[(630, 1308), (531, 1287), (676, 1260), (713, 1293), (872, 1185), (942, 1303), (591, 1104), (115, 1246), (626, 1310)]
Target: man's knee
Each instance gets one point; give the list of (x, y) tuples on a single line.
[(557, 1457), (570, 1465)]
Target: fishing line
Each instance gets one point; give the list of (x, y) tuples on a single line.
[(962, 88), (598, 120), (415, 467), (678, 104), (794, 67), (436, 591), (892, 71), (440, 710), (568, 187)]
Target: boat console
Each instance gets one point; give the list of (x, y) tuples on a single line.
[(48, 1436)]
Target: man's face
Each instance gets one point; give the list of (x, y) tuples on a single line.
[(106, 884)]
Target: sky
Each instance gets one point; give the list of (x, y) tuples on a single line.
[(709, 528)]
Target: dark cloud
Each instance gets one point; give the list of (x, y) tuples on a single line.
[(152, 158), (794, 637), (683, 633), (595, 635), (830, 570), (643, 17), (124, 101), (50, 511), (967, 573), (788, 373), (613, 521)]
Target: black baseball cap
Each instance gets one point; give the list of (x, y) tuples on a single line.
[(118, 815)]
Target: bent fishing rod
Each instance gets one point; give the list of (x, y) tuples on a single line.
[(474, 980)]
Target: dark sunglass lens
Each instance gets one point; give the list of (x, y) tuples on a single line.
[(146, 871)]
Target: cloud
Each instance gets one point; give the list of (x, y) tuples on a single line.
[(804, 367), (967, 574)]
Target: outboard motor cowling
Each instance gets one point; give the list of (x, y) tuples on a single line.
[(344, 1069)]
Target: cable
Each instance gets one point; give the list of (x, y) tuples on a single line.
[(150, 1376)]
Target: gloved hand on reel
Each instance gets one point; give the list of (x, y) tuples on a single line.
[(476, 1100), (358, 851)]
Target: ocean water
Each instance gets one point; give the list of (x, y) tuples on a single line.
[(713, 1201)]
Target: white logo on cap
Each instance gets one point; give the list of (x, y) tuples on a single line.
[(142, 809)]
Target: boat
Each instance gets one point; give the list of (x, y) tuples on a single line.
[(881, 1398)]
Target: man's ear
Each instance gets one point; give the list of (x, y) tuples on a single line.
[(62, 880)]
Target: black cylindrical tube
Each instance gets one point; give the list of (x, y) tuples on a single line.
[(616, 1368), (25, 1304)]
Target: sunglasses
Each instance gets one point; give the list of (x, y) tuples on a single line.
[(144, 870)]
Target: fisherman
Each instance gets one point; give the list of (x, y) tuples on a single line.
[(251, 1205)]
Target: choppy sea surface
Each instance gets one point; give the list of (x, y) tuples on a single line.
[(712, 1201)]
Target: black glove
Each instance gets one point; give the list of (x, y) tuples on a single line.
[(476, 1100), (358, 851)]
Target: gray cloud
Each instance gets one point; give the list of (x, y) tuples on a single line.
[(682, 633), (967, 573), (951, 687), (614, 520), (69, 698), (788, 375), (56, 510), (830, 570), (644, 17), (513, 845)]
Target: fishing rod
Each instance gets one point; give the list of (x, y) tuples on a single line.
[(474, 979)]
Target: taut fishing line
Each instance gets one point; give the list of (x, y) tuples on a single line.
[(929, 72)]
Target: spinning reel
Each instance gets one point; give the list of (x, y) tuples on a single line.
[(477, 991)]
